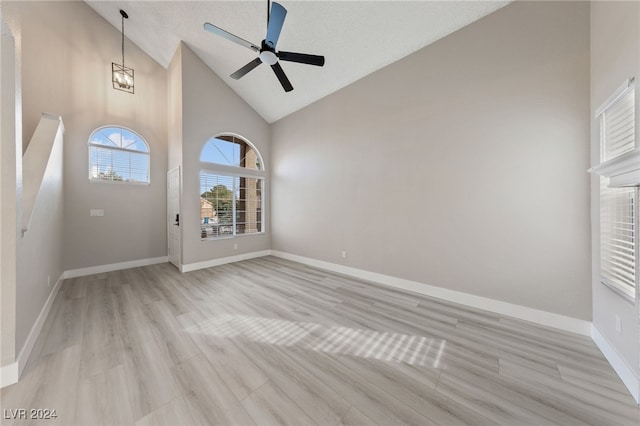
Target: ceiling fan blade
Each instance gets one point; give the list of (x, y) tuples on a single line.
[(276, 20), (231, 37), (244, 70), (286, 84), (302, 58)]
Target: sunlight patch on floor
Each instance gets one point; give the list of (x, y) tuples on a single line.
[(372, 344)]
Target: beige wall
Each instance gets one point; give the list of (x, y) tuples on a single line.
[(67, 54), (8, 213), (209, 108), (461, 166), (174, 112), (615, 56), (40, 251)]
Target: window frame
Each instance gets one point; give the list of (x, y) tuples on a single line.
[(224, 170), (119, 182), (614, 173)]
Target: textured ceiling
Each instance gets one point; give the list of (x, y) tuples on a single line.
[(356, 38)]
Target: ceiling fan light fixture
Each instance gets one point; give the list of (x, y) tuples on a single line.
[(268, 57)]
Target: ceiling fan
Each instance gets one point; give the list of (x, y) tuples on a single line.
[(267, 52)]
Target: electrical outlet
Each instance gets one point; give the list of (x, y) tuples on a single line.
[(618, 323), (96, 212), (344, 254)]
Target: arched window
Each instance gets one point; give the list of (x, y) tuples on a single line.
[(117, 154), (231, 188)]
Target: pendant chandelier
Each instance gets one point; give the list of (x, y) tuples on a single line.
[(121, 76)]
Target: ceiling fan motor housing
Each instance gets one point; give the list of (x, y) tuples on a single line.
[(267, 54)]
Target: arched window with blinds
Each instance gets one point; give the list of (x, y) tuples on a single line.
[(232, 181), (120, 155)]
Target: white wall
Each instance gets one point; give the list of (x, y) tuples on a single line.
[(67, 53), (461, 166), (615, 56), (209, 108)]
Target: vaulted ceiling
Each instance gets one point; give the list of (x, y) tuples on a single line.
[(356, 38)]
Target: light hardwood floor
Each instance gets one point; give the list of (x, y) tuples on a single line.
[(272, 342)]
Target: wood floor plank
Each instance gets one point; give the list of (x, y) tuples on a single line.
[(143, 285), (603, 381), (209, 399), (240, 374), (51, 384), (105, 399), (168, 286), (270, 341), (174, 413), (74, 288), (174, 342), (321, 403), (577, 400), (417, 394), (355, 417), (66, 325), (101, 342), (148, 376), (269, 406), (501, 400), (356, 390)]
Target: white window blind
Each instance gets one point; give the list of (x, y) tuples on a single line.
[(618, 126), (230, 205), (618, 206), (249, 206), (117, 154), (618, 238)]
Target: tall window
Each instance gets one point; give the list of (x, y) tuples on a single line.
[(618, 205), (117, 154), (231, 188)]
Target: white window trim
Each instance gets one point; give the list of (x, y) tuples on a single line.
[(206, 164), (623, 171)]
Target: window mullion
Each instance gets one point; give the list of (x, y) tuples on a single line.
[(233, 206)]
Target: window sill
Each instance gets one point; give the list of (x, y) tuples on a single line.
[(626, 294), (119, 182), (622, 171), (231, 237)]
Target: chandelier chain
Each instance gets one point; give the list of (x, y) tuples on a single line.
[(122, 40)]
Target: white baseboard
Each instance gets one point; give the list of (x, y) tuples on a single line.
[(25, 352), (223, 260), (536, 316), (12, 372), (9, 374), (626, 373), (81, 272)]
